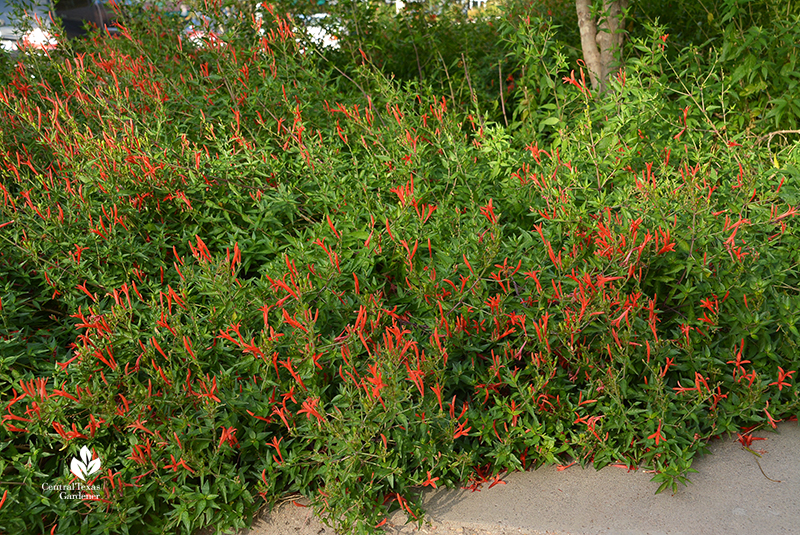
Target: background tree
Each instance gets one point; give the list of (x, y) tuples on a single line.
[(601, 38)]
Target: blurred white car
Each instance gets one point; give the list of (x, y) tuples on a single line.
[(200, 30), (28, 23), (320, 29), (26, 26)]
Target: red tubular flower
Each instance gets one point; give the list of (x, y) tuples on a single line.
[(280, 412), (288, 365), (82, 287), (657, 435), (430, 481), (376, 380), (187, 343), (770, 419), (488, 211), (310, 409), (110, 362), (158, 347), (668, 244), (461, 431), (34, 388), (276, 442), (747, 439), (175, 464), (228, 435), (330, 224), (139, 424), (94, 425), (416, 377), (293, 322), (497, 481), (782, 378), (437, 389)]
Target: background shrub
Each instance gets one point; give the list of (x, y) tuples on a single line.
[(237, 271)]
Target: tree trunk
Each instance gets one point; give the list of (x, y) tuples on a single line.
[(601, 42)]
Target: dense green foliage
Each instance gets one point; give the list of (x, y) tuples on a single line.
[(236, 271)]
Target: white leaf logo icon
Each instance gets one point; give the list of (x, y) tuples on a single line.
[(86, 466)]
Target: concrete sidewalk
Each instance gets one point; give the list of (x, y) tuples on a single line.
[(729, 495)]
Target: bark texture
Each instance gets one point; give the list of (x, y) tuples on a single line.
[(588, 28), (601, 40)]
